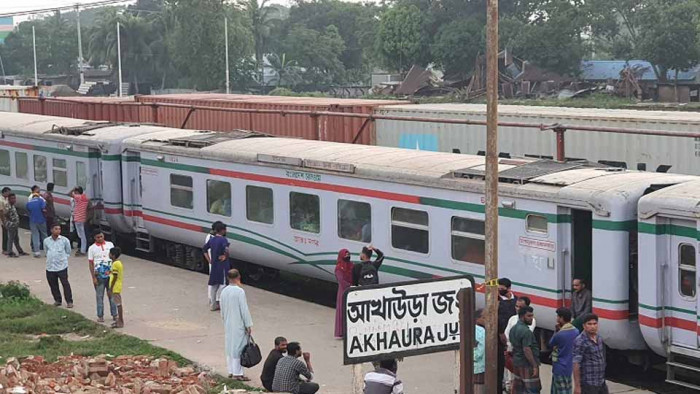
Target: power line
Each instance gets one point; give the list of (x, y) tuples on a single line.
[(66, 7)]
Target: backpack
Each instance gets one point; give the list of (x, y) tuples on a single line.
[(368, 274)]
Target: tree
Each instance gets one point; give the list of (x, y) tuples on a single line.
[(317, 53), (286, 71), (401, 41), (261, 18), (457, 46)]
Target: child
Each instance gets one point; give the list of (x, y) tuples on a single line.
[(115, 284)]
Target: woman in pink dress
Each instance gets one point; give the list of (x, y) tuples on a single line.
[(343, 273)]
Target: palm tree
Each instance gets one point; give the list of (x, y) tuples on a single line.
[(261, 17), (287, 70)]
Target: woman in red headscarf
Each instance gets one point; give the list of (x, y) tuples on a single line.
[(343, 273)]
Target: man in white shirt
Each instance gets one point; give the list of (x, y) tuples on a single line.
[(100, 268), (521, 302)]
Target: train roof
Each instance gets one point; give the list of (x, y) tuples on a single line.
[(54, 128), (542, 113), (579, 183), (679, 200)]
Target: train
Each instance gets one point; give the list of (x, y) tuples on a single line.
[(291, 204)]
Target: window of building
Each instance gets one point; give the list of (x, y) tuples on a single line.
[(40, 168), (5, 167), (687, 270), (60, 172), (181, 194), (81, 174), (468, 240), (22, 165), (536, 224), (219, 197), (355, 221), (409, 230), (259, 204), (305, 212)]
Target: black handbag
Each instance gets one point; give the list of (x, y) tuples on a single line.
[(251, 355)]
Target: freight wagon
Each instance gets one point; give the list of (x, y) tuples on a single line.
[(641, 152)]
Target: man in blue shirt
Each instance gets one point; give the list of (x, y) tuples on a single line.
[(218, 261), (57, 249), (562, 344), (36, 207)]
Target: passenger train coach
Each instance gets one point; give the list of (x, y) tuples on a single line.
[(291, 204)]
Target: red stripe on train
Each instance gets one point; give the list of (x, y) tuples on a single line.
[(173, 223)]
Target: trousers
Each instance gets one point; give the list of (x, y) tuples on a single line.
[(234, 366), (100, 289), (13, 239), (586, 389), (308, 388), (53, 277), (5, 249), (80, 229), (38, 236), (215, 293)]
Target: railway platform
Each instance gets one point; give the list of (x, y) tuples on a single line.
[(168, 307)]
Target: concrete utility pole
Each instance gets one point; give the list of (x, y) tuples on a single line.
[(119, 58), (36, 75), (80, 46), (228, 81), (491, 196)]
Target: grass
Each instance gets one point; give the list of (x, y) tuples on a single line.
[(30, 327)]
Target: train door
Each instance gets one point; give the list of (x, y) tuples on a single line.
[(581, 251), (683, 285)]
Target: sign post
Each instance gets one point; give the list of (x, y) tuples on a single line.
[(407, 319)]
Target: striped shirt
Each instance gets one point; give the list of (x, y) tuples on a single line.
[(382, 381), (81, 208)]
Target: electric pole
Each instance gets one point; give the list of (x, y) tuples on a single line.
[(492, 196), (80, 46), (228, 81)]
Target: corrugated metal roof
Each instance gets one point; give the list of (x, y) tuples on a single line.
[(602, 70)]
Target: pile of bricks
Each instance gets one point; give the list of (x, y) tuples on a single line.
[(102, 374)]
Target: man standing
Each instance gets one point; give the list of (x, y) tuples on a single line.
[(581, 300), (4, 205), (289, 368), (526, 355), (479, 353), (238, 324), (562, 344), (80, 218), (50, 212), (36, 206), (216, 253), (383, 379), (589, 359), (367, 272), (268, 372), (506, 309), (57, 248), (519, 303), (12, 225), (100, 266)]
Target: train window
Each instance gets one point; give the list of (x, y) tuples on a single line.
[(5, 168), (40, 168), (80, 174), (60, 172), (687, 270), (304, 212), (468, 240), (22, 165), (409, 230), (219, 197), (181, 194), (355, 220), (259, 205), (537, 224)]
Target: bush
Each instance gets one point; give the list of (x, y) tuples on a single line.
[(14, 290)]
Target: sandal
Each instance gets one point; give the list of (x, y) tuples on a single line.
[(242, 378)]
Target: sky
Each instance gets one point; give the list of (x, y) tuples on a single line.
[(29, 5)]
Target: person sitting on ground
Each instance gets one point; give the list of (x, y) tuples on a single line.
[(367, 272), (288, 370), (268, 372), (383, 379)]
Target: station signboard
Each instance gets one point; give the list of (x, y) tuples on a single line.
[(402, 319)]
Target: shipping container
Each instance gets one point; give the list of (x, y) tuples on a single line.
[(113, 109), (9, 96), (325, 128), (642, 152)]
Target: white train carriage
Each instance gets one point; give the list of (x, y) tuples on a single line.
[(36, 150), (292, 204), (669, 313)]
